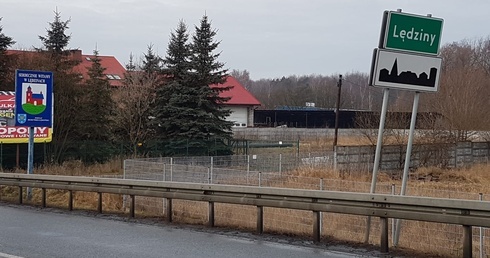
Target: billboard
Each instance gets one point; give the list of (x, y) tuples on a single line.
[(9, 133)]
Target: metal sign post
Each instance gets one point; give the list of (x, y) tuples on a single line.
[(406, 58), (30, 159), (377, 156), (407, 161)]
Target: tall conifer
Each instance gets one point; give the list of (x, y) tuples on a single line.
[(207, 70), (66, 87), (174, 101), (6, 71)]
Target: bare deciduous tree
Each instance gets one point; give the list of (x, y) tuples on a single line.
[(463, 98), (133, 101)]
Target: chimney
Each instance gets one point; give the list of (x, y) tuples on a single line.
[(76, 54)]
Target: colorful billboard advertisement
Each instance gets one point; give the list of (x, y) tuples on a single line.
[(9, 133)]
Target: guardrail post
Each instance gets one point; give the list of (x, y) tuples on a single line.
[(316, 226), (20, 194), (260, 219), (70, 200), (99, 202), (482, 253), (168, 210), (467, 247), (133, 204), (43, 197), (384, 235), (211, 214)]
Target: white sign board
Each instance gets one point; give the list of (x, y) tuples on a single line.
[(394, 69)]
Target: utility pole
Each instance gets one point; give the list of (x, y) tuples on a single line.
[(337, 111)]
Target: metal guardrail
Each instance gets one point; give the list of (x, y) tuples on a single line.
[(467, 213)]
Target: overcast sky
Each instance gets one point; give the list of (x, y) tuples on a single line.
[(268, 38)]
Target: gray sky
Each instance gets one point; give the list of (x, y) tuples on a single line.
[(268, 38)]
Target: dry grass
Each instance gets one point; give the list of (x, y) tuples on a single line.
[(431, 238)]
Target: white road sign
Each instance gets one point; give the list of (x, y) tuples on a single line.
[(394, 69)]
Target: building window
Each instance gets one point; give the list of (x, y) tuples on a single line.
[(117, 77), (110, 76)]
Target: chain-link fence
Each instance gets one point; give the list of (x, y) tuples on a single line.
[(276, 171)]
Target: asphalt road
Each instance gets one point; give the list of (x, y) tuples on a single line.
[(31, 232)]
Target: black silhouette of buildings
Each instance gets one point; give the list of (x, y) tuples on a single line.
[(407, 77)]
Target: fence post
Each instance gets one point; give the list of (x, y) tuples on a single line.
[(164, 172), (309, 160), (248, 168), (260, 179), (280, 164), (124, 169), (393, 221), (209, 176), (211, 167), (171, 169), (321, 213)]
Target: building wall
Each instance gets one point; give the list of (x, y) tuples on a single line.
[(239, 116)]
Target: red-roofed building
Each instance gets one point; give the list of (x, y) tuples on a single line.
[(242, 103), (114, 71)]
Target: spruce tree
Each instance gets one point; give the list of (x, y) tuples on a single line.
[(131, 66), (66, 87), (96, 121), (210, 118), (177, 63), (56, 43), (97, 102), (6, 71), (174, 102), (151, 62)]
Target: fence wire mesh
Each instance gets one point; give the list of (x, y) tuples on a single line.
[(276, 171)]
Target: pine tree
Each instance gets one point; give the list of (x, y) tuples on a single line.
[(210, 117), (6, 71)]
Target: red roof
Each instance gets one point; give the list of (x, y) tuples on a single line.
[(113, 69), (239, 95)]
